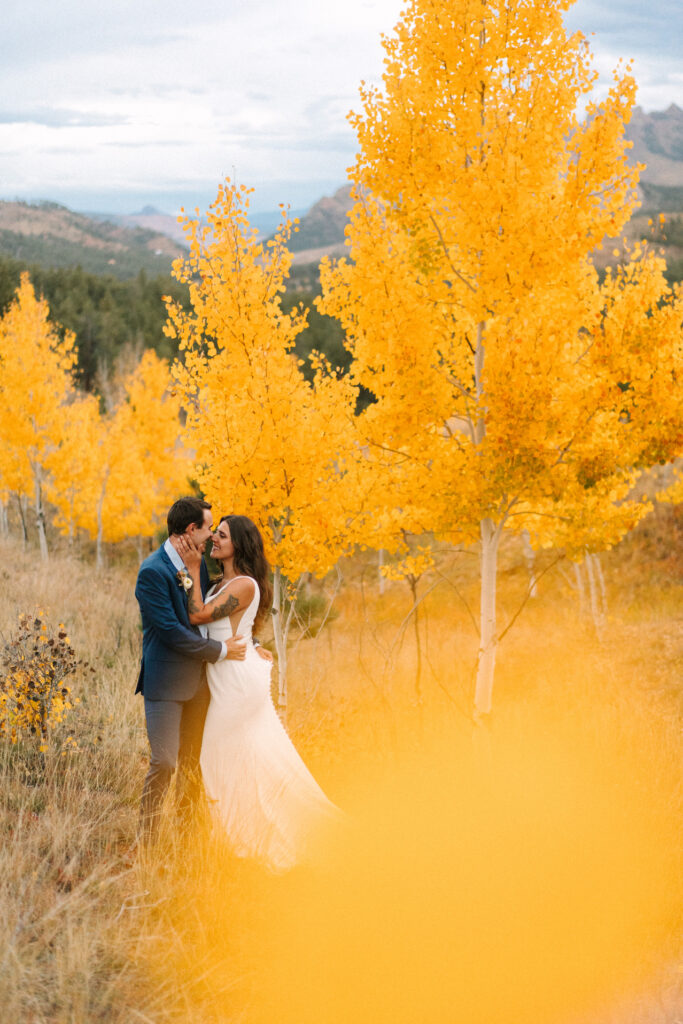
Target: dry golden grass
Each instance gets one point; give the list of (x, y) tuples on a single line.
[(522, 874), (65, 825)]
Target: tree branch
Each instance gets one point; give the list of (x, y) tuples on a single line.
[(529, 591)]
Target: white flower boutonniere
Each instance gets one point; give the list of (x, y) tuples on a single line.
[(184, 579)]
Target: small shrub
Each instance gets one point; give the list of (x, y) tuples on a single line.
[(34, 662)]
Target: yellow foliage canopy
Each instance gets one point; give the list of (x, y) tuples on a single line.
[(36, 364), (269, 444), (115, 475), (510, 385), (512, 389)]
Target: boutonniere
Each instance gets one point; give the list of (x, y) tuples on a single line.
[(184, 579)]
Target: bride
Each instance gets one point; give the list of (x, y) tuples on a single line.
[(259, 789)]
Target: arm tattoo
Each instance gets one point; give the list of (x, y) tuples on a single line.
[(192, 605), (227, 608)]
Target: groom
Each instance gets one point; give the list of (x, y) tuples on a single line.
[(172, 676)]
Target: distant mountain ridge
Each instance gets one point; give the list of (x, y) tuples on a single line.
[(658, 142), (54, 236), (149, 219), (323, 226)]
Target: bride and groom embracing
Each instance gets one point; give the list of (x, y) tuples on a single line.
[(206, 687)]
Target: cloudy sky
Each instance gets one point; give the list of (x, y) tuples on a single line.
[(110, 107)]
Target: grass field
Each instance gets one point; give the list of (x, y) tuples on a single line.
[(523, 874)]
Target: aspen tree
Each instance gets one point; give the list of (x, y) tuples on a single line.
[(269, 444), (510, 391), (148, 421), (115, 475), (73, 464), (36, 382), (673, 494)]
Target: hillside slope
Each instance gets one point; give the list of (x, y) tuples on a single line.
[(149, 219), (53, 236)]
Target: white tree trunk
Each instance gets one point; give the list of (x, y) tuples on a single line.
[(22, 501), (40, 516), (99, 544), (380, 563), (488, 642), (581, 590), (596, 611), (412, 583), (530, 559), (99, 556), (601, 584), (4, 519), (280, 637)]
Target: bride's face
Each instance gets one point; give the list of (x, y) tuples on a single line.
[(222, 544)]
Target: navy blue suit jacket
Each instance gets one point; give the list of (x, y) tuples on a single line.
[(173, 651)]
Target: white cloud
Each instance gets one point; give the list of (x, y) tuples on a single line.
[(630, 30), (161, 97), (262, 88)]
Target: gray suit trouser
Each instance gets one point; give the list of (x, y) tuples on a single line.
[(174, 729)]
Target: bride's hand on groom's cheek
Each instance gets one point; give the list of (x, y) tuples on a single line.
[(189, 552)]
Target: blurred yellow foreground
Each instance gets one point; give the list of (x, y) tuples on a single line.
[(521, 878)]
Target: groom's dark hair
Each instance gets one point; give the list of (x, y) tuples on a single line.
[(183, 512)]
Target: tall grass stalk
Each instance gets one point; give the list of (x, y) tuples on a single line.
[(428, 881)]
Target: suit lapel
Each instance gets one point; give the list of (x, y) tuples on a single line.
[(170, 568), (203, 576)]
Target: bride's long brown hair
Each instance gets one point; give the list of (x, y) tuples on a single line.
[(249, 559)]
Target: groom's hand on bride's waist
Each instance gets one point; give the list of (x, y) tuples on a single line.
[(237, 648)]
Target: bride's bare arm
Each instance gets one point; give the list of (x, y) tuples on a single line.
[(236, 597)]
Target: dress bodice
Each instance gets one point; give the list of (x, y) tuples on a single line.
[(261, 795), (221, 629)]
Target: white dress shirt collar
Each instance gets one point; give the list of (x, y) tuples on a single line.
[(173, 555)]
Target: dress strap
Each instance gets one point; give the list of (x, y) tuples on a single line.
[(222, 588)]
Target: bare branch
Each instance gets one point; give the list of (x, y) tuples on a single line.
[(458, 274), (469, 610), (529, 591)]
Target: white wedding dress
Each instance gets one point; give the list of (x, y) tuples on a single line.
[(258, 788)]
